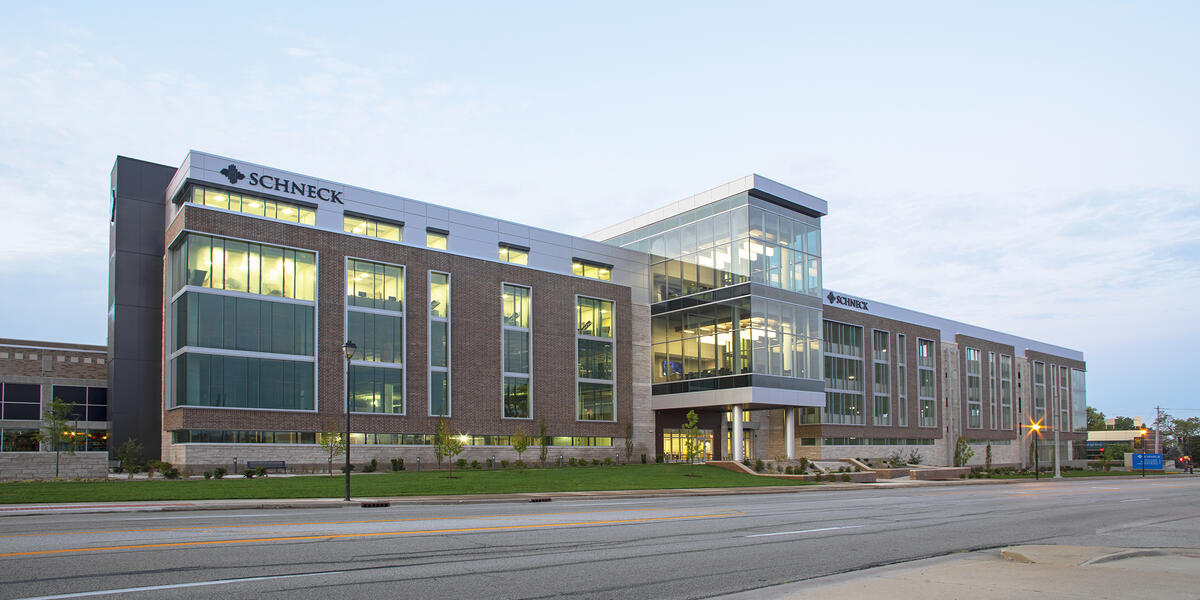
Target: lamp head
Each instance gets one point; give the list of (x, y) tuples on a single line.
[(349, 348)]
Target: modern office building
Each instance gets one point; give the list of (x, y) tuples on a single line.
[(233, 287)]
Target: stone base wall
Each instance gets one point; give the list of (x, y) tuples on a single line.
[(1009, 455), (40, 465), (303, 458), (930, 455)]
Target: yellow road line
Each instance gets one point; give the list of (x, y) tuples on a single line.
[(361, 535), (203, 527)]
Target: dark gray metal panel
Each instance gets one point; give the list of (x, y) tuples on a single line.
[(135, 303)]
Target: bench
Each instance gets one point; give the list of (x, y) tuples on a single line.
[(266, 464)]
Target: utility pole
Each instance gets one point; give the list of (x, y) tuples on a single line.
[(1057, 424), (1157, 428)]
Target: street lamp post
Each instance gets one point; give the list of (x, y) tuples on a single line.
[(1037, 429), (349, 348), (1143, 432)]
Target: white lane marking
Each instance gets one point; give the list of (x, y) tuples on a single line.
[(1132, 500), (152, 588), (1095, 487), (804, 531), (610, 503)]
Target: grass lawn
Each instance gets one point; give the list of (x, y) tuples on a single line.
[(406, 483)]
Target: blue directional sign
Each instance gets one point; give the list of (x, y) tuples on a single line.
[(1151, 461)]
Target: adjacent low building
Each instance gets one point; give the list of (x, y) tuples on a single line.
[(233, 287)]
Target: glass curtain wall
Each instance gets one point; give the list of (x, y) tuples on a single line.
[(728, 242), (375, 323), (843, 374), (882, 397), (1039, 392), (740, 336), (974, 390), (1006, 405), (901, 380), (242, 325), (1078, 400)]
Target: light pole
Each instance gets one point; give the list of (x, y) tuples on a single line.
[(349, 348), (1037, 429), (1143, 432)]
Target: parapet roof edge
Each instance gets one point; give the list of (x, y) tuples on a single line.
[(950, 328), (750, 182), (340, 185)]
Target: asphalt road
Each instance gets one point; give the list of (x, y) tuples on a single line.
[(683, 547)]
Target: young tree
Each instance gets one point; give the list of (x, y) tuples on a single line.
[(57, 429), (987, 458), (962, 452), (129, 454), (543, 450), (333, 443), (449, 446), (520, 442), (691, 435), (440, 433), (629, 442)]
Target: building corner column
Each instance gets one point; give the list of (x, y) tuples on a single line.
[(789, 431), (736, 428)]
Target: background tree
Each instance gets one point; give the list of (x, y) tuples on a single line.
[(1123, 423), (1183, 433), (129, 456), (56, 429), (1095, 420), (629, 442), (691, 435), (520, 442), (440, 433), (543, 450), (333, 443)]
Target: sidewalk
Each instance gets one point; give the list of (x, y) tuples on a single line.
[(1073, 572)]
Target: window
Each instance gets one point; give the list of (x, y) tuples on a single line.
[(21, 401), (882, 397), (926, 385), (87, 403), (19, 440), (843, 374), (993, 391), (439, 344), (373, 228), (515, 326), (253, 205), (242, 382), (1006, 407), (1039, 392), (204, 320), (974, 390), (1064, 401), (220, 264), (436, 238), (595, 376), (375, 323), (514, 254), (901, 381), (590, 269), (1078, 401)]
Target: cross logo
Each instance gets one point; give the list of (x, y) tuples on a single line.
[(830, 297), (232, 173)]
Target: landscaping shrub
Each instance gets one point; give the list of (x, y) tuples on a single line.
[(397, 464), (658, 459), (208, 474), (170, 472), (758, 465), (249, 474), (491, 462), (260, 472), (219, 472), (803, 464), (461, 463), (520, 464), (371, 466), (344, 469), (595, 462), (643, 459), (571, 461), (503, 464), (845, 477), (608, 461)]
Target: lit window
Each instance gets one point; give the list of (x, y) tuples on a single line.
[(514, 254), (436, 238), (373, 228), (253, 205), (591, 270)]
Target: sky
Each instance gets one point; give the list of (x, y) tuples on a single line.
[(1029, 167)]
